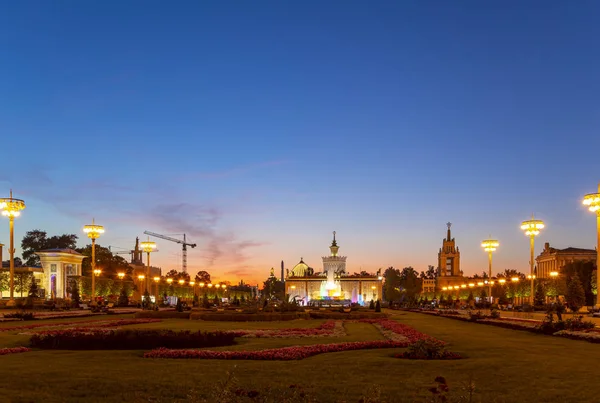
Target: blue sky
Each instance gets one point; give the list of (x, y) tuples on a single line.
[(257, 128)]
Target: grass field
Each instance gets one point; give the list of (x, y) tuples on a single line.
[(505, 365)]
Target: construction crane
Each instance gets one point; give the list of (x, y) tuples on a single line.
[(184, 244), (123, 252)]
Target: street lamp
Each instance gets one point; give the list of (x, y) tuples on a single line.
[(11, 208), (156, 280), (532, 228), (93, 232), (148, 247), (490, 245), (592, 200), (121, 275)]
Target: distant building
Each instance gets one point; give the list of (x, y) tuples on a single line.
[(553, 259), (449, 273), (333, 285)]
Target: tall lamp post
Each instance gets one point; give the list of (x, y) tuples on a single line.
[(93, 232), (11, 208), (148, 247), (532, 228), (490, 245), (592, 200)]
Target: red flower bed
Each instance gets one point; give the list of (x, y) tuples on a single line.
[(13, 350), (326, 329), (410, 333), (279, 354)]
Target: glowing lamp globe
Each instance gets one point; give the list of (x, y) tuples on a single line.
[(11, 207), (97, 272), (148, 246), (532, 227), (169, 280), (93, 230), (592, 201), (157, 279), (490, 245), (192, 283), (121, 275), (181, 281), (141, 277), (553, 274)]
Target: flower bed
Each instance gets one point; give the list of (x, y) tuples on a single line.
[(278, 354), (127, 339), (328, 329), (248, 317), (591, 336), (411, 334), (13, 350)]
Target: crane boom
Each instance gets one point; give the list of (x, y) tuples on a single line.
[(184, 244)]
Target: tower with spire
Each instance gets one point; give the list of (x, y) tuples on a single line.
[(449, 257), (334, 266)]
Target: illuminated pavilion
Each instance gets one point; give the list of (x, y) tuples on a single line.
[(332, 286)]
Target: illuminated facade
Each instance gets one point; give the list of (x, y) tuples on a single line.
[(333, 285), (449, 273), (58, 265), (552, 259)]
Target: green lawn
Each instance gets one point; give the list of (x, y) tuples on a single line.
[(506, 366)]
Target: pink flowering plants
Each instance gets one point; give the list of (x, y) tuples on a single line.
[(398, 336), (329, 328), (13, 350)]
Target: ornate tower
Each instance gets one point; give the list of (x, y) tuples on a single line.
[(334, 265), (449, 257)]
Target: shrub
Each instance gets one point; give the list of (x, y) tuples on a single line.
[(495, 314), (178, 305), (549, 325), (378, 306), (20, 315), (129, 339), (372, 305), (123, 297), (75, 297), (476, 316), (577, 324), (428, 349)]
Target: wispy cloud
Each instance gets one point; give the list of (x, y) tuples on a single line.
[(231, 172), (148, 206)]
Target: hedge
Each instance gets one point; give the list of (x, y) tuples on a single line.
[(129, 339)]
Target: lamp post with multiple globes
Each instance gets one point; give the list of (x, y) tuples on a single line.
[(490, 245), (93, 232), (532, 228), (592, 200), (148, 247), (11, 208)]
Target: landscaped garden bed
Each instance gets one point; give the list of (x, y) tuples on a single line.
[(229, 316), (163, 314), (128, 339), (403, 336)]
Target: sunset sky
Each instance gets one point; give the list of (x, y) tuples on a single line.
[(259, 127)]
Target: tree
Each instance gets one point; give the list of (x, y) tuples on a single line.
[(36, 240), (584, 271), (378, 306), (470, 298), (273, 287), (575, 293), (106, 261), (33, 289), (391, 285), (205, 301), (217, 301), (123, 297), (202, 277), (410, 284), (22, 281), (540, 294), (75, 297), (178, 275)]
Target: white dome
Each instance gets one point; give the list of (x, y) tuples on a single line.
[(300, 269)]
